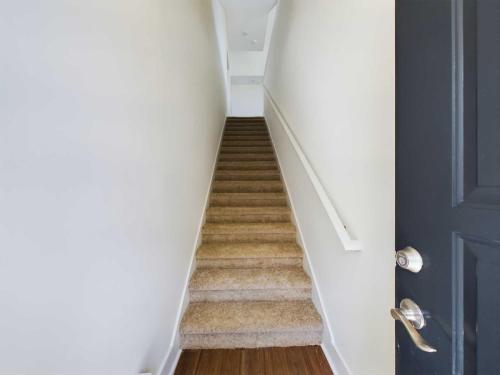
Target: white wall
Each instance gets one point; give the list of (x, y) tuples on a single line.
[(247, 63), (271, 17), (247, 100), (110, 115), (331, 73), (220, 22)]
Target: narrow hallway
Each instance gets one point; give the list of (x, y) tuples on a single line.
[(249, 289), (200, 183)]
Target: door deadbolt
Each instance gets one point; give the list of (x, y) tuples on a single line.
[(409, 259)]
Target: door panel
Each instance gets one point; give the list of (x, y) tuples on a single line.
[(478, 282), (448, 181), (478, 103)]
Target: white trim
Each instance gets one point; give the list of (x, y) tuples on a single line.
[(348, 243), (334, 359), (337, 363), (170, 362)]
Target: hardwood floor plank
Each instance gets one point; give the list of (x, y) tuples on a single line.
[(296, 361), (188, 362), (210, 362), (231, 362), (268, 361), (252, 362), (279, 361), (316, 361)]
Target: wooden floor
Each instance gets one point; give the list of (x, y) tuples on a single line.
[(302, 360)]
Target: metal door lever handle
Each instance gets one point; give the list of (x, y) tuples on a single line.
[(412, 318)]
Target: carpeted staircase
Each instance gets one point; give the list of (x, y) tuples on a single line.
[(249, 288)]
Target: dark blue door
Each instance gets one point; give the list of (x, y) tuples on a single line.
[(448, 182)]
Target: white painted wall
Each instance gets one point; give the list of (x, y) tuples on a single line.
[(331, 73), (110, 113), (220, 21), (271, 17), (247, 100)]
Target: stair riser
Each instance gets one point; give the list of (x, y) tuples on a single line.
[(246, 125), (246, 142), (260, 122), (232, 137), (250, 340), (246, 150), (264, 168), (262, 137), (240, 130), (249, 237), (268, 166), (261, 188), (249, 295), (247, 157), (241, 133), (240, 120), (244, 118), (249, 263), (245, 121), (270, 218), (235, 119), (247, 138), (243, 177), (230, 202), (250, 187), (249, 143), (247, 173), (244, 134)]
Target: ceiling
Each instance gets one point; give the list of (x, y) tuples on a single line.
[(246, 22)]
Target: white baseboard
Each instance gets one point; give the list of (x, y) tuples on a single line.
[(170, 362), (335, 359)]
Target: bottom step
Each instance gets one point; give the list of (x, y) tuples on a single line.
[(210, 325), (250, 340)]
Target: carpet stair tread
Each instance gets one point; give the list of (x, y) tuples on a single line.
[(264, 186), (251, 316)]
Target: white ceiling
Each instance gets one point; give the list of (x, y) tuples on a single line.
[(246, 22)]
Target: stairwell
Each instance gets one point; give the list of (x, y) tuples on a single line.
[(249, 288)]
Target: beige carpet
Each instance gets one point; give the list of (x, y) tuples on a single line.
[(249, 288)]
